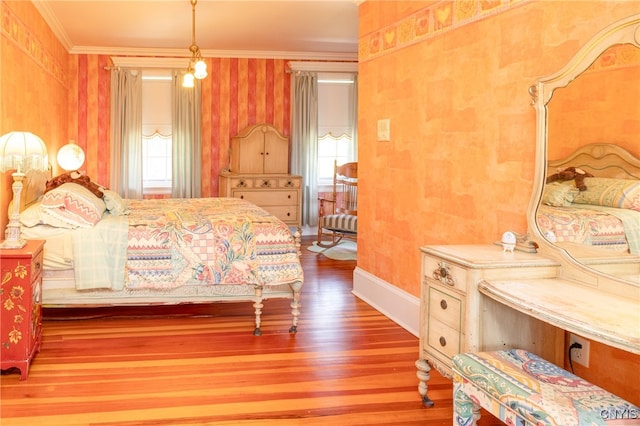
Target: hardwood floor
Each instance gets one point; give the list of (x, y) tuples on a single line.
[(200, 364)]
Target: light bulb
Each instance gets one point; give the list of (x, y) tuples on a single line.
[(187, 80), (200, 69)]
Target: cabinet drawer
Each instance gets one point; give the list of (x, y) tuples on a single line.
[(269, 198), (284, 213), (443, 338), (241, 183), (266, 182), (289, 183), (445, 307), (445, 272), (36, 265)]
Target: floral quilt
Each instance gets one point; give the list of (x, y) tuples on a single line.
[(207, 241)]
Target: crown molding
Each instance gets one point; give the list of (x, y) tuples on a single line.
[(55, 25), (324, 66), (184, 53)]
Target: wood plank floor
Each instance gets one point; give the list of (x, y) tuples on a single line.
[(201, 365)]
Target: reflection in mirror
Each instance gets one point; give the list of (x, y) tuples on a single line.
[(589, 119)]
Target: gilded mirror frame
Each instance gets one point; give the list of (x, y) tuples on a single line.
[(625, 31)]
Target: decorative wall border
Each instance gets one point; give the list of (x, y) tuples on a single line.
[(16, 32), (430, 22)]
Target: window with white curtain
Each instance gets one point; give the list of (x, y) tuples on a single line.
[(335, 121), (156, 131)]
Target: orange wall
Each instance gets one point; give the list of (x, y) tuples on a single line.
[(453, 78), (237, 93), (33, 83)]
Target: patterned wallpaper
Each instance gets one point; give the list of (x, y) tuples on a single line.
[(429, 22)]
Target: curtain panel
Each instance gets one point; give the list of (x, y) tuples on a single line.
[(304, 146), (186, 141), (126, 133)]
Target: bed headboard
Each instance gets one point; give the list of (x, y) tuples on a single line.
[(34, 185), (601, 160)]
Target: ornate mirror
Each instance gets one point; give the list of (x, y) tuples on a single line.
[(588, 117)]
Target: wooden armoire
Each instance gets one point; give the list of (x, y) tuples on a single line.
[(259, 173)]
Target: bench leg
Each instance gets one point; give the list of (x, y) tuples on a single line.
[(465, 411)]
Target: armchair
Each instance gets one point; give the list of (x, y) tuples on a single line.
[(338, 215)]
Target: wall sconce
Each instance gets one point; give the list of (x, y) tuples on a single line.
[(70, 157), (20, 151)]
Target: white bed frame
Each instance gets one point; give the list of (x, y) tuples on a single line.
[(59, 289), (601, 160)]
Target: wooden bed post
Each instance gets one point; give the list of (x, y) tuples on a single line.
[(257, 305)]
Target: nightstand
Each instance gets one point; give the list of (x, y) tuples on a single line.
[(21, 306)]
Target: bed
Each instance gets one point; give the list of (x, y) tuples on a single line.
[(604, 218), (106, 251)]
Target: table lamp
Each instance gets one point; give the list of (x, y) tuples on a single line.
[(20, 151)]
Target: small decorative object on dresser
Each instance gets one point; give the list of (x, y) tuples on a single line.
[(21, 308), (259, 173)]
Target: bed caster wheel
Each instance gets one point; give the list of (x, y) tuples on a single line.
[(257, 332), (293, 329)]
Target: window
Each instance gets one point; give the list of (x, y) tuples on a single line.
[(331, 149), (156, 163), (335, 123), (156, 131)]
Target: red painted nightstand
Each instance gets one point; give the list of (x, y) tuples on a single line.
[(21, 305)]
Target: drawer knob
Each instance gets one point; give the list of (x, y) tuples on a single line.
[(242, 184), (442, 274), (443, 341), (242, 197), (443, 304)]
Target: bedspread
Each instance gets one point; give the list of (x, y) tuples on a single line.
[(204, 241), (604, 227)]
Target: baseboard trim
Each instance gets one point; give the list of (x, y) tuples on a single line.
[(396, 304)]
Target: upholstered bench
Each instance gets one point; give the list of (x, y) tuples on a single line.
[(521, 388)]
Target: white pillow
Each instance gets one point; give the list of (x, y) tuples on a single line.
[(74, 204), (115, 204), (34, 215)]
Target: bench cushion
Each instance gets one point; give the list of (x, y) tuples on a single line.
[(341, 222), (519, 387)]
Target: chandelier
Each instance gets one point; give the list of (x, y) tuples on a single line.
[(197, 66)]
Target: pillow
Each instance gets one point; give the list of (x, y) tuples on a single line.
[(74, 205), (610, 192), (559, 194), (34, 215), (114, 202)]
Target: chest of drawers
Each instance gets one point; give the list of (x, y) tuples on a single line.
[(279, 194), (21, 307)]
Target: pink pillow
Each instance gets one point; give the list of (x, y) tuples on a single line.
[(74, 204)]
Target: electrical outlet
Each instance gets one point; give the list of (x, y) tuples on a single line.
[(579, 355)]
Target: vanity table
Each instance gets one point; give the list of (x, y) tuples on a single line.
[(455, 318), (478, 298)]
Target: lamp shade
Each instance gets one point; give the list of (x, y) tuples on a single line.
[(187, 80), (22, 151), (200, 69), (70, 157)]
